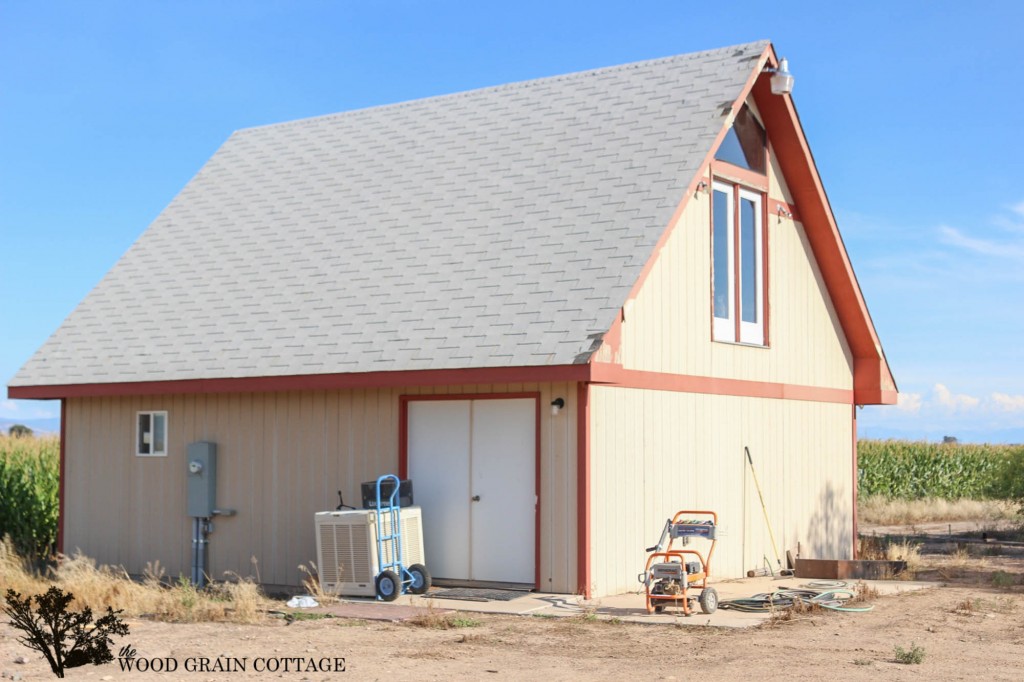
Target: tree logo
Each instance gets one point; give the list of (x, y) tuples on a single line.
[(68, 639)]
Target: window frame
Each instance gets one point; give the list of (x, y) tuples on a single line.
[(751, 332), (152, 414), (724, 327), (733, 329)]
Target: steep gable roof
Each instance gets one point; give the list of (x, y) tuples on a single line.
[(501, 227)]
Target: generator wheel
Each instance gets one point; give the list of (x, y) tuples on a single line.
[(708, 600), (659, 608), (421, 580), (388, 586)]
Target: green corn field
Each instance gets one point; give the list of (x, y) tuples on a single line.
[(29, 485), (913, 470), (30, 472)]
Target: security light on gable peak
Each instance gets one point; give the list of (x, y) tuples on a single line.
[(782, 79)]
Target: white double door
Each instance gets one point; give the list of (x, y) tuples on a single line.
[(473, 468)]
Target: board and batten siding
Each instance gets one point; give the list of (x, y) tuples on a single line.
[(667, 327), (281, 458), (654, 453)]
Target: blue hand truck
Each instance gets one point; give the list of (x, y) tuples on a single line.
[(394, 578)]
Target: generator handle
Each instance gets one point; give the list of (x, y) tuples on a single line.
[(664, 536)]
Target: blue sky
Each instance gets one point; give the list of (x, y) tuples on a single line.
[(912, 110)]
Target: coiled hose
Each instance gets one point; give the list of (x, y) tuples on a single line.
[(830, 594)]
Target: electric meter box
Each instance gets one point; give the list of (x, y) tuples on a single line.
[(202, 478)]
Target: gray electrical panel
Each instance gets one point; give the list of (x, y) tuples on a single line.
[(202, 479)]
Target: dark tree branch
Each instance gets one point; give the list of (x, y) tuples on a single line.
[(48, 627)]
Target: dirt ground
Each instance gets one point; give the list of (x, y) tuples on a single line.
[(969, 627)]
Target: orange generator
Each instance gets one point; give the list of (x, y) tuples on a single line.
[(668, 578)]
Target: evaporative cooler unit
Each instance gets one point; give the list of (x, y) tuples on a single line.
[(346, 548)]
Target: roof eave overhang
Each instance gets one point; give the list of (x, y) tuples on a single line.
[(309, 382)]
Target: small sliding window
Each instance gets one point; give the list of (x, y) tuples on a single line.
[(151, 434)]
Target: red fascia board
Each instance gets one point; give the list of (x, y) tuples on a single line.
[(597, 372), (307, 382), (875, 396), (798, 168), (794, 156)]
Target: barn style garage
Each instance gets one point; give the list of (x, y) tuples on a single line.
[(563, 307)]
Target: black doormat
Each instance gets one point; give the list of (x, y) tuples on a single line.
[(477, 594)]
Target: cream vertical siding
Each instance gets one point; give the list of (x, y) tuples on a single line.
[(281, 458), (657, 452), (667, 327)]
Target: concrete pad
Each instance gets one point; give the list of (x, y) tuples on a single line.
[(372, 610), (628, 607)]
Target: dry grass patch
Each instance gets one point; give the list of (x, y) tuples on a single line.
[(312, 584), (800, 610), (877, 549), (882, 511), (966, 607), (862, 594), (237, 599), (436, 619)]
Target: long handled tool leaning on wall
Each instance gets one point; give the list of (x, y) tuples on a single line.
[(778, 558)]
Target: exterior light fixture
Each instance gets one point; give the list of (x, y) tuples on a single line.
[(782, 79), (556, 405)]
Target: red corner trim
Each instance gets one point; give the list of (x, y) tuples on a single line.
[(583, 567), (855, 482), (60, 483)]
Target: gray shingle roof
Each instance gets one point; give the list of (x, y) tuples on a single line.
[(497, 227)]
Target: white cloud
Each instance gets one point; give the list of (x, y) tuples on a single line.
[(985, 247), (1006, 244), (909, 402), (1007, 402), (953, 401), (24, 409)]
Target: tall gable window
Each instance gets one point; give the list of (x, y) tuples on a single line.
[(744, 144), (151, 434), (739, 191), (738, 264)]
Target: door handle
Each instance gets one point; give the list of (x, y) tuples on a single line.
[(476, 498)]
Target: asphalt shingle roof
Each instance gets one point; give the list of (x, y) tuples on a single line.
[(497, 227)]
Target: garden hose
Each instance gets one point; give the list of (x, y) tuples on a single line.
[(826, 594), (825, 585)]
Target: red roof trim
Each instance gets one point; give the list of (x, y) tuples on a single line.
[(793, 154), (874, 384), (429, 377)]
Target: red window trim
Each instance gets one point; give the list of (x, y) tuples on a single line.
[(736, 186)]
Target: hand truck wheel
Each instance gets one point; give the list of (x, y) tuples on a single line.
[(421, 580), (388, 586)]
